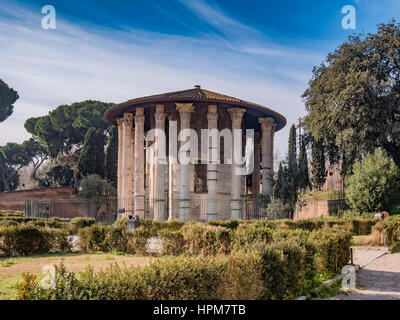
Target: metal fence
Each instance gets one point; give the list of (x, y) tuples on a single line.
[(105, 210), (108, 210)]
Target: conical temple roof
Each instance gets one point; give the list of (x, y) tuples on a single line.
[(196, 94)]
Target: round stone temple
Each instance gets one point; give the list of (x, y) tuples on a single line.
[(202, 191)]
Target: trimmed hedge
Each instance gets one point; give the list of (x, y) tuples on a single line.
[(80, 223), (269, 274), (264, 262), (55, 223), (23, 240), (386, 231), (357, 226), (107, 238), (203, 239)]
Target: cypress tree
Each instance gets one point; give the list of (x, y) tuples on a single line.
[(303, 176), (292, 149), (318, 164), (112, 156), (291, 170), (279, 183), (91, 159)]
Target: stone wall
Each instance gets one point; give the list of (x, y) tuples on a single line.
[(16, 200), (318, 208)]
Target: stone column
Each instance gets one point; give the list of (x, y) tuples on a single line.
[(172, 162), (139, 163), (267, 152), (255, 178), (184, 109), (255, 188), (159, 166), (212, 168), (120, 169), (126, 161), (236, 118), (132, 174)]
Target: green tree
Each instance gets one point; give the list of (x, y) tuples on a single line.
[(93, 187), (63, 130), (318, 164), (37, 153), (91, 160), (353, 98), (112, 156), (279, 183), (8, 96), (13, 157), (303, 177), (374, 184), (292, 151), (286, 185), (276, 209), (291, 173)]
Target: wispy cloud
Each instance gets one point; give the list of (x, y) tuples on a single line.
[(80, 61)]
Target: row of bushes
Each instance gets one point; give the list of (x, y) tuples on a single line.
[(329, 245), (386, 231), (356, 225), (279, 264), (24, 240), (7, 213), (270, 273), (108, 238), (71, 226)]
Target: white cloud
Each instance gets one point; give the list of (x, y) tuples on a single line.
[(77, 62)]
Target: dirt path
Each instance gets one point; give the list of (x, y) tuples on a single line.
[(379, 279)]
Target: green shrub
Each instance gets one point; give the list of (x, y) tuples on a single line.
[(8, 223), (137, 241), (395, 211), (230, 224), (248, 276), (249, 236), (332, 247), (359, 226), (93, 238), (173, 242), (203, 239), (374, 185), (80, 223), (28, 240), (108, 238), (386, 231), (121, 223)]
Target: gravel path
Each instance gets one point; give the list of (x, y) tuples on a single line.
[(379, 279)]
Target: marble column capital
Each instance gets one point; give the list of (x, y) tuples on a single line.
[(236, 114), (267, 123), (139, 116), (119, 121), (127, 119), (184, 109)]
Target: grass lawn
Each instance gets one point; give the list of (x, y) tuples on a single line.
[(323, 195), (11, 270)]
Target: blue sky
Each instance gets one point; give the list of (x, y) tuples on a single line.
[(262, 51)]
